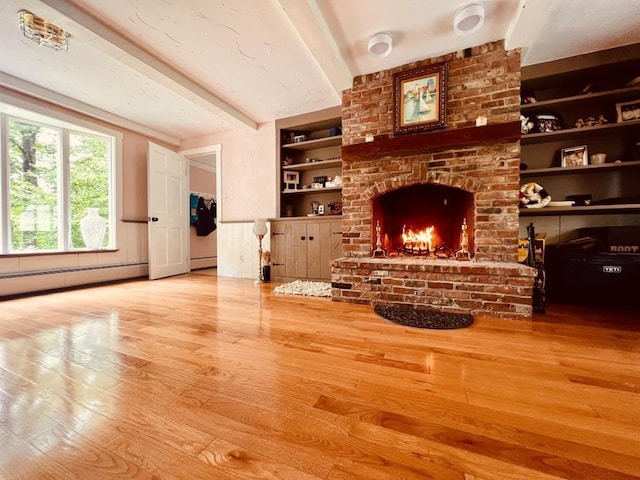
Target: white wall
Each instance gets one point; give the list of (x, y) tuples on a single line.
[(248, 171), (17, 272), (129, 261), (247, 189), (238, 250)]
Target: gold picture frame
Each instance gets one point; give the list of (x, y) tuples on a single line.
[(419, 99)]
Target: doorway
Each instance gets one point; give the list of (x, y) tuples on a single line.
[(203, 182)]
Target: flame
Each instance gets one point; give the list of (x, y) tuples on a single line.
[(420, 240)]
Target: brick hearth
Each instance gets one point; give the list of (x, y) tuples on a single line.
[(486, 83), (501, 289)]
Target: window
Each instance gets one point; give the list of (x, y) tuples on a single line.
[(53, 174)]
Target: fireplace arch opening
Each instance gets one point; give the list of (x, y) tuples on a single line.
[(424, 220)]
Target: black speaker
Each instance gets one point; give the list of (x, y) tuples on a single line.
[(266, 273)]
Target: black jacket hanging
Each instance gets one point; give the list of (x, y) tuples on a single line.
[(206, 218)]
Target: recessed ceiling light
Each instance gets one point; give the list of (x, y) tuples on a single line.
[(469, 20), (380, 44)]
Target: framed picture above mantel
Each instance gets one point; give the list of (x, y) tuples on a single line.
[(419, 99)]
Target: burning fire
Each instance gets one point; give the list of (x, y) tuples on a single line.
[(420, 240)]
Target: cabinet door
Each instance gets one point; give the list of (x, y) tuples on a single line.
[(298, 267), (278, 249), (330, 246), (314, 263)]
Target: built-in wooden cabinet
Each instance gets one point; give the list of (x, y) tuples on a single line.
[(302, 248), (579, 91)]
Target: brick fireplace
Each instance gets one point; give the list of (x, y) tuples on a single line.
[(477, 168)]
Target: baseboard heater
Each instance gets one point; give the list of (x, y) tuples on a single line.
[(69, 270)]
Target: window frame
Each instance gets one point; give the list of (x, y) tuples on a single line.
[(67, 124)]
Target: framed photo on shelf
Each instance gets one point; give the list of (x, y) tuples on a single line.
[(547, 122), (419, 99), (335, 208), (628, 111), (574, 156), (291, 180)]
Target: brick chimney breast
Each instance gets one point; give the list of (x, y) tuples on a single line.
[(487, 83)]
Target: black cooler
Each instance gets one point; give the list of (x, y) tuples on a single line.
[(608, 277)]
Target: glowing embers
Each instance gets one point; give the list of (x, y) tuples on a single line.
[(420, 242)]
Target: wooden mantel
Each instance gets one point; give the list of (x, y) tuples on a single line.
[(459, 137)]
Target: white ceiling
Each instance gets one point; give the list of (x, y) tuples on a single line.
[(178, 69)]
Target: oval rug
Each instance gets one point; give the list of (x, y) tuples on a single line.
[(423, 318)]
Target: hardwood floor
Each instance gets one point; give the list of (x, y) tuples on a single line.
[(199, 377)]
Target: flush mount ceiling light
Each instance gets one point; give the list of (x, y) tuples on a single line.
[(468, 20), (42, 32), (380, 44)]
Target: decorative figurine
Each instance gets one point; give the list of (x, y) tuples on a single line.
[(533, 195), (526, 125)]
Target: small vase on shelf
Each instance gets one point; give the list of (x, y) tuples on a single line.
[(93, 228)]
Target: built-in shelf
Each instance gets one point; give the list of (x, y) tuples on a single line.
[(568, 133), (457, 137), (582, 210), (619, 94), (311, 190), (534, 172), (314, 165), (315, 143)]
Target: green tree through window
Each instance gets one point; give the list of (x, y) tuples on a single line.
[(55, 175), (33, 186), (90, 159)]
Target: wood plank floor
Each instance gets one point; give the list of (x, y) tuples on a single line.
[(199, 377)]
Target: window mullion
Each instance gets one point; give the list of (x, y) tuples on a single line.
[(64, 213), (4, 185)]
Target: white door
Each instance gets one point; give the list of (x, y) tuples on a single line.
[(168, 212)]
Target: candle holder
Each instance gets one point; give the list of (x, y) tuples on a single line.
[(379, 251), (463, 253)]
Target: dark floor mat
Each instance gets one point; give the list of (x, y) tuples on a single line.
[(423, 318)]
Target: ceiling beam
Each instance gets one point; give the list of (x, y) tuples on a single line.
[(525, 26), (36, 91), (127, 52), (307, 19)]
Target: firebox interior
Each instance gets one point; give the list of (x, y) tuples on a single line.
[(417, 208)]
